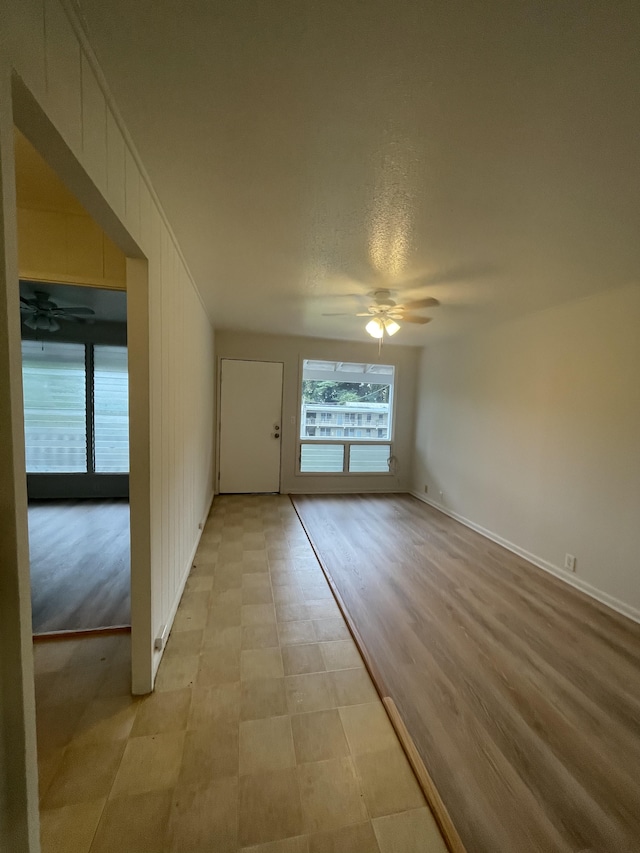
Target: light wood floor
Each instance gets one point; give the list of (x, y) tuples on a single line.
[(264, 734), (521, 694), (80, 564)]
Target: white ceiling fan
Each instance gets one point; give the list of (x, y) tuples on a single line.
[(386, 315)]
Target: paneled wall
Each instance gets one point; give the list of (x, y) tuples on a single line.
[(51, 86)]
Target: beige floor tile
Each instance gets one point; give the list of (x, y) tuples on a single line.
[(149, 763), (117, 682), (342, 654), (85, 773), (224, 616), (225, 640), (204, 819), (331, 629), (80, 682), (299, 844), (190, 618), (136, 824), (199, 584), (211, 706), (309, 693), (367, 728), (162, 712), (259, 636), (269, 807), (218, 666), (388, 782), (409, 832), (257, 595), (56, 724), (330, 794), (177, 671), (106, 719), (263, 697), (353, 686), (318, 736), (184, 643), (231, 598), (326, 608), (266, 745), (48, 766), (292, 633), (290, 594), (286, 576), (258, 614), (299, 660), (256, 580), (52, 657), (291, 612), (209, 754), (70, 829), (261, 663), (318, 592), (358, 838)]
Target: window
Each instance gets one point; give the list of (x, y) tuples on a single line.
[(354, 395), (54, 383), (75, 408), (111, 409)]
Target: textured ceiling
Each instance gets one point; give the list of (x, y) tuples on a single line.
[(485, 153)]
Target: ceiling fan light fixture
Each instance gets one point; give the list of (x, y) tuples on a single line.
[(375, 328), (391, 327)]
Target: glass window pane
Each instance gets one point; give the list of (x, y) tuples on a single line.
[(323, 458), (111, 409), (369, 458), (53, 376), (340, 396)]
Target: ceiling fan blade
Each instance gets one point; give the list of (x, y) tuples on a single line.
[(80, 311), (415, 318), (428, 302)]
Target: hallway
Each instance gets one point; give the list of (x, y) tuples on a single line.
[(264, 733)]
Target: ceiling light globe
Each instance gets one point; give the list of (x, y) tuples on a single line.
[(375, 328)]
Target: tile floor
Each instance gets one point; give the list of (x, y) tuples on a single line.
[(264, 733)]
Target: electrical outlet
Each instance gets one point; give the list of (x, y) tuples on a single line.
[(570, 562), (426, 488)]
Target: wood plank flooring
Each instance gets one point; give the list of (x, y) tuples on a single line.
[(522, 695), (80, 564)]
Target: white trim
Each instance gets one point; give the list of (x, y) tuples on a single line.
[(157, 653), (592, 591), (342, 491)]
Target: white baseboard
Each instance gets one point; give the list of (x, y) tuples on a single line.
[(157, 654), (545, 565)]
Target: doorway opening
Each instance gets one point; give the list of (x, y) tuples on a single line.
[(73, 308)]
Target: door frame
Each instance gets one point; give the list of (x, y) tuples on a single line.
[(219, 360)]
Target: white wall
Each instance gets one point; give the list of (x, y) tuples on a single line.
[(291, 350), (532, 431), (51, 86)]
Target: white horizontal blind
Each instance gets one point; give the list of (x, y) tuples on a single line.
[(54, 383), (322, 458), (111, 409), (369, 458)]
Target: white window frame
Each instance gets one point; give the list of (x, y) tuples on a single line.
[(346, 442)]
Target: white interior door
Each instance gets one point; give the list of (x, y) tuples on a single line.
[(250, 412)]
